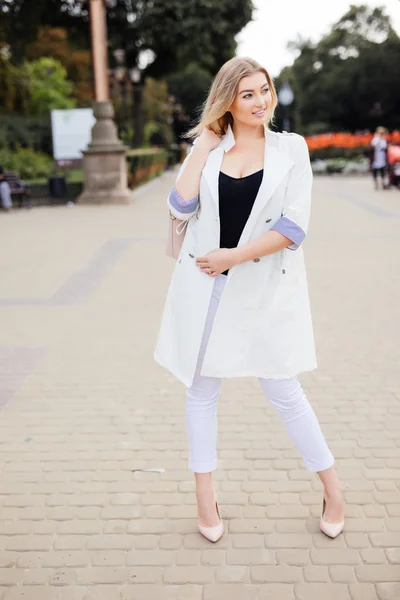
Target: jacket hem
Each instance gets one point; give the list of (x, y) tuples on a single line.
[(224, 375), (268, 375), (186, 382)]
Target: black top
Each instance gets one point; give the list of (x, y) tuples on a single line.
[(236, 199)]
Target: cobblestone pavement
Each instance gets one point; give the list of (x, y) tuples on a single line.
[(85, 408)]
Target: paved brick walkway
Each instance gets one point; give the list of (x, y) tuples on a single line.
[(85, 409)]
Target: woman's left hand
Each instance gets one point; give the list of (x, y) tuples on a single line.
[(216, 262)]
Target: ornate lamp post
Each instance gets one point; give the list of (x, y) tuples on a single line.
[(286, 97), (120, 74), (104, 162), (137, 100)]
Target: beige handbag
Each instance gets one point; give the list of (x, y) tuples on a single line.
[(176, 235)]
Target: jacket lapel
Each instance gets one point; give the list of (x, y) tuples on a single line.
[(213, 165), (276, 165)]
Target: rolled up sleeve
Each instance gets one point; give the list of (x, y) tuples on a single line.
[(297, 202), (290, 230), (178, 207)]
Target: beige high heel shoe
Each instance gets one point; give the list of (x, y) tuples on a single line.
[(213, 534), (332, 530)]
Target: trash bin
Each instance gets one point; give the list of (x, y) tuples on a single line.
[(57, 187)]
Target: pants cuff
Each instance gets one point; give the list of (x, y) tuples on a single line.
[(323, 466), (204, 467)]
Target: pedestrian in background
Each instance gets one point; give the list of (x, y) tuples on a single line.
[(379, 162), (5, 191), (238, 301)]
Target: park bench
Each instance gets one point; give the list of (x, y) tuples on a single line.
[(18, 188)]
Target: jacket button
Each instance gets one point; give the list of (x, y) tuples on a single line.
[(268, 220), (256, 260)]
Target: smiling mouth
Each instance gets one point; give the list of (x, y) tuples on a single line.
[(259, 112)]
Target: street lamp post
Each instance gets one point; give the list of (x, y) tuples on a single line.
[(286, 97), (99, 49), (137, 101), (104, 164), (120, 77)]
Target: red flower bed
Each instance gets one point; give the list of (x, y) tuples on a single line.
[(346, 140)]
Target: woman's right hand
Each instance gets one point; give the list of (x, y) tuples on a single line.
[(208, 140), (188, 182)]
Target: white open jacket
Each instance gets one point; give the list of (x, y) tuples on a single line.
[(263, 325)]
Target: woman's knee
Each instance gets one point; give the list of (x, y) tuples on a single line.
[(204, 392), (286, 395)]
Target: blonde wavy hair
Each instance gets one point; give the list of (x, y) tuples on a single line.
[(215, 114)]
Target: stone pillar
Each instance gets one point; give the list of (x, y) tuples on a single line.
[(98, 32), (104, 164)]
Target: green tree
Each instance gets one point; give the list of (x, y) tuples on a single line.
[(156, 101), (7, 87), (49, 87), (348, 80), (54, 42), (178, 31), (190, 87), (22, 19), (157, 112), (15, 85), (181, 32)]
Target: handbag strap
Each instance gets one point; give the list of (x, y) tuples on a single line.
[(181, 227)]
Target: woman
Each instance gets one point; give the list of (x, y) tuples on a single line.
[(379, 162), (238, 301), (5, 192)]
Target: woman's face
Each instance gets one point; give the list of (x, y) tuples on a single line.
[(252, 104)]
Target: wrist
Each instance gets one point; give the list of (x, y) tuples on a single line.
[(237, 256)]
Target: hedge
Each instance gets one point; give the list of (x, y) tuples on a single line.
[(142, 164)]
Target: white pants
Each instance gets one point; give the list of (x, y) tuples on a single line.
[(286, 395)]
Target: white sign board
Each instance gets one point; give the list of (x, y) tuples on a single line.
[(71, 130)]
